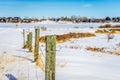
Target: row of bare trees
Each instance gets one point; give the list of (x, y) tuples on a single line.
[(74, 19)]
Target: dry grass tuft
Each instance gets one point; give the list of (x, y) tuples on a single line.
[(104, 31), (40, 63), (109, 26), (25, 46), (112, 29), (95, 49), (117, 51), (105, 26), (33, 50)]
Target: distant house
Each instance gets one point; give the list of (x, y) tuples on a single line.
[(101, 20), (13, 20), (84, 19), (3, 20), (42, 20), (9, 19), (16, 20), (52, 19), (93, 20), (73, 20), (26, 20), (35, 20)]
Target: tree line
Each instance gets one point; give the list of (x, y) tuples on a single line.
[(73, 19)]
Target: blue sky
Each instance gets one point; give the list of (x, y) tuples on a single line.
[(58, 8)]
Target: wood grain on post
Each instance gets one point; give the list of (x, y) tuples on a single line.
[(50, 57), (23, 37), (30, 42), (27, 40), (36, 52)]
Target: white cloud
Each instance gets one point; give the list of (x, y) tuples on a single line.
[(87, 5)]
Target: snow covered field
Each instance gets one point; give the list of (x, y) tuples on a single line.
[(74, 62), (54, 25)]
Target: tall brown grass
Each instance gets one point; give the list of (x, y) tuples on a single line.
[(66, 37)]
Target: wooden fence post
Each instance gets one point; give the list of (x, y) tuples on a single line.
[(36, 52), (27, 40), (23, 37), (50, 58), (30, 42)]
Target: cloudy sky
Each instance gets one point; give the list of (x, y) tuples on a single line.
[(58, 8)]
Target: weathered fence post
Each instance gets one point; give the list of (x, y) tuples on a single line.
[(30, 42), (27, 40), (50, 57), (36, 52), (23, 37)]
